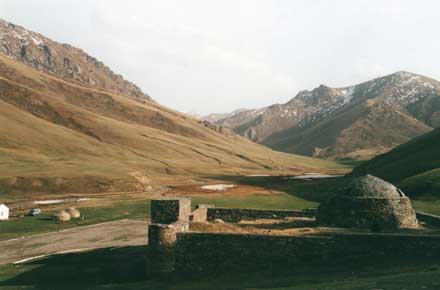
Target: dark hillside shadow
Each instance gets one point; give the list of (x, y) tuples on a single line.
[(315, 190)]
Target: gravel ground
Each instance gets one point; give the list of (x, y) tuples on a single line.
[(113, 234)]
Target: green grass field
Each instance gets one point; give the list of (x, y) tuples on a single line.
[(299, 195), (36, 225), (140, 209), (124, 268)]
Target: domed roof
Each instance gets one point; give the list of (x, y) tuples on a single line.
[(369, 186)]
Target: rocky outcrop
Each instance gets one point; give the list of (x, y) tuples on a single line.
[(63, 61), (219, 129)]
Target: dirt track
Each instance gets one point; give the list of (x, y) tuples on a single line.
[(119, 233)]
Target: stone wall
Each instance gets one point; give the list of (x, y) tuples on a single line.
[(199, 215), (170, 210), (215, 253), (234, 215), (161, 242), (429, 219)]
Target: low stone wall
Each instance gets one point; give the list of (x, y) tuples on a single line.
[(430, 219), (215, 253), (234, 215)]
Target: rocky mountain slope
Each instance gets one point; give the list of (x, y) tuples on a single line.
[(60, 135), (414, 165), (63, 61), (359, 121), (214, 117)]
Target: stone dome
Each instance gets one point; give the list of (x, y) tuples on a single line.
[(369, 186), (368, 202)]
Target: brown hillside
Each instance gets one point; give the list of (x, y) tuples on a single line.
[(359, 121), (60, 136), (360, 132)]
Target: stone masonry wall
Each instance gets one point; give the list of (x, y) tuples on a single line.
[(215, 253), (170, 210), (234, 215), (370, 213), (161, 242), (199, 215)]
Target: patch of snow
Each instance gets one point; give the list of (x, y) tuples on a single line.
[(218, 187), (22, 37), (52, 201), (315, 176), (83, 199), (258, 175), (348, 95), (410, 78), (36, 41), (258, 112), (429, 85)]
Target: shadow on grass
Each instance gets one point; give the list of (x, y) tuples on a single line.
[(315, 190), (97, 267), (125, 268), (44, 218)]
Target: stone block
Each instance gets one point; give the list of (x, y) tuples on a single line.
[(199, 215)]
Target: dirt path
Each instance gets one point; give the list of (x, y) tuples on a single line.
[(120, 233)]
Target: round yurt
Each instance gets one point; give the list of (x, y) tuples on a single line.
[(61, 216), (73, 212)]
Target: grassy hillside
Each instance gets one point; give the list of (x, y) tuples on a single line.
[(415, 165), (353, 133), (61, 137)]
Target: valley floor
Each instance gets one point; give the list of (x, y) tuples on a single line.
[(109, 245)]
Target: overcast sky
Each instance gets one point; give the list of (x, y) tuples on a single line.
[(216, 56)]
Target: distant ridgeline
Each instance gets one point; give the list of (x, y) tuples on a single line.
[(356, 122)]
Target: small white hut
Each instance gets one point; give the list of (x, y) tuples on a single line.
[(4, 212)]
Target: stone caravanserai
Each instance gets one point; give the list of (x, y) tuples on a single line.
[(368, 220)]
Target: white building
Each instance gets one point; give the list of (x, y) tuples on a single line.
[(4, 212)]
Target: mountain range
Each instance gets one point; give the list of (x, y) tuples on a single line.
[(63, 61), (357, 122), (69, 124)]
